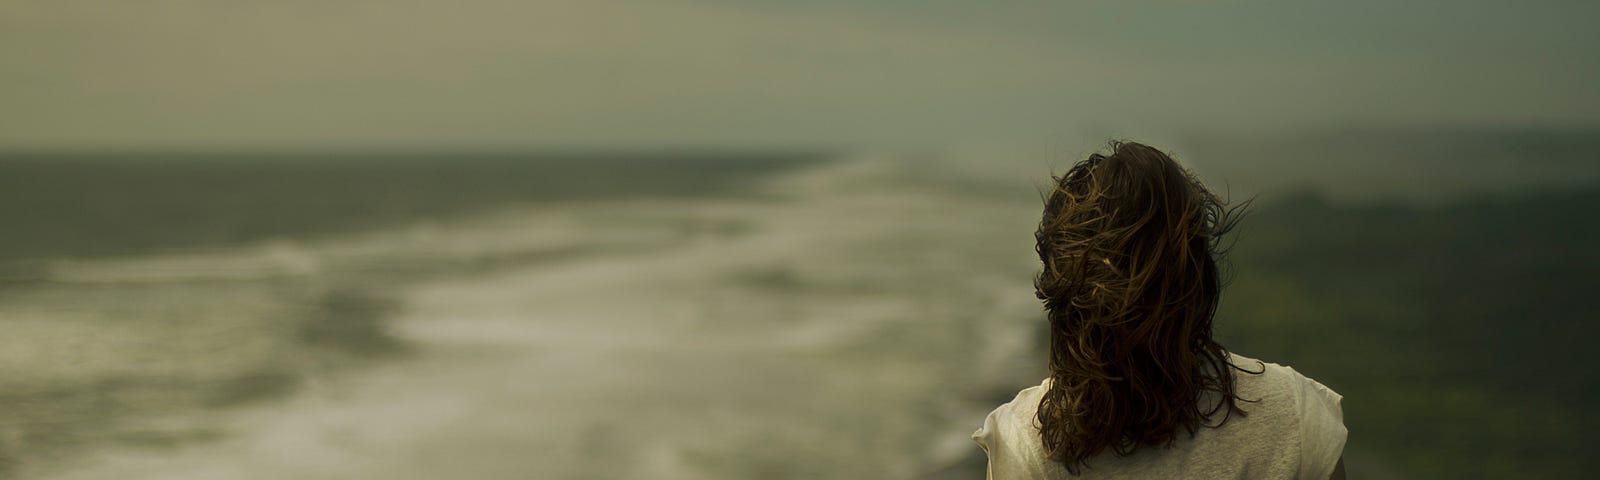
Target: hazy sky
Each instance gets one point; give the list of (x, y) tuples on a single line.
[(676, 73)]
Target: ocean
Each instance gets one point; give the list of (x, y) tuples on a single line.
[(833, 319), (746, 315)]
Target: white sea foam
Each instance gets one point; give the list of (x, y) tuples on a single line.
[(843, 325)]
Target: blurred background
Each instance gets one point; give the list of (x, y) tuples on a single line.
[(717, 239)]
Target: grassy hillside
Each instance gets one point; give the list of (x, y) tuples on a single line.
[(1460, 335)]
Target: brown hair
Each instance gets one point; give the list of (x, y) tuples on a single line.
[(1130, 243)]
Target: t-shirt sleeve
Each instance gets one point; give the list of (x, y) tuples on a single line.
[(1322, 430), (1011, 443), (985, 438)]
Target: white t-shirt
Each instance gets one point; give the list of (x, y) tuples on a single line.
[(1296, 430)]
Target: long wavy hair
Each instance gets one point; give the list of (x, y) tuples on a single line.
[(1130, 243)]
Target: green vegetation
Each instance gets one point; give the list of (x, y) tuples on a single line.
[(1459, 335)]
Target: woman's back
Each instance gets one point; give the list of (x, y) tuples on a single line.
[(1293, 429), (1131, 245)]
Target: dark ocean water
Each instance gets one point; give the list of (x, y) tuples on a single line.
[(66, 204)]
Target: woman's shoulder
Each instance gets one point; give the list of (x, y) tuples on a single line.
[(1260, 374), (1300, 394), (1009, 437), (1285, 409), (1315, 410), (1020, 412)]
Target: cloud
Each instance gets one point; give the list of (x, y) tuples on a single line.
[(621, 73)]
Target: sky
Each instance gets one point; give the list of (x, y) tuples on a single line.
[(491, 75)]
